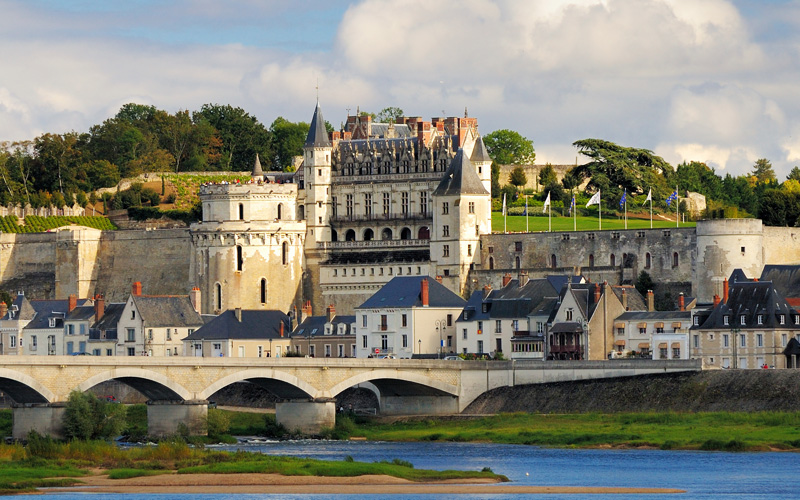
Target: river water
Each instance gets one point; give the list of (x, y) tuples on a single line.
[(704, 475)]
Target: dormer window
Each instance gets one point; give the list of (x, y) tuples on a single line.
[(742, 319), (782, 319), (797, 319), (726, 320), (760, 319), (52, 322), (696, 321)]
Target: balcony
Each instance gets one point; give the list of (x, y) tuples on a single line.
[(382, 244), (377, 217)]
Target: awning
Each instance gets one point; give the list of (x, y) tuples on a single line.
[(644, 345), (619, 324), (620, 342), (662, 345), (641, 325), (659, 325), (676, 345), (676, 324)]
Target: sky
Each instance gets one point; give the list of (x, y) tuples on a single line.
[(716, 81)]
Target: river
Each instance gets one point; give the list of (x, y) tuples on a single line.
[(704, 475)]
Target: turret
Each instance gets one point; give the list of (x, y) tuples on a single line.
[(317, 152), (483, 163)]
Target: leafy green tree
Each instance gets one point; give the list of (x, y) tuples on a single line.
[(88, 417), (390, 114), (644, 283), (772, 208), (507, 147), (495, 180), (517, 177), (241, 136), (794, 174), (555, 190), (762, 170), (571, 180), (287, 141), (547, 176)]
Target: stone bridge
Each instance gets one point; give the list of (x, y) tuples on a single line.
[(178, 388)]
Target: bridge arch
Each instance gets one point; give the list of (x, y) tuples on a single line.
[(24, 389), (280, 383), (153, 385), (420, 384)]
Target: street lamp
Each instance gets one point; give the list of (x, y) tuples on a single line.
[(440, 323)]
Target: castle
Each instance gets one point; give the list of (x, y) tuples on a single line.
[(370, 202)]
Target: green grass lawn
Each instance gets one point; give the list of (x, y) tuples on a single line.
[(516, 223)]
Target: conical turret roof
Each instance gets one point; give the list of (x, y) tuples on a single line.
[(317, 134), (460, 178), (257, 172), (479, 152)]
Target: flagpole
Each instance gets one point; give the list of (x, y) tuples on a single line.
[(526, 214), (677, 208), (505, 228), (600, 211), (574, 213), (550, 218), (651, 210), (626, 209)]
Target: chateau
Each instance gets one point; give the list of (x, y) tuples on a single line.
[(370, 202)]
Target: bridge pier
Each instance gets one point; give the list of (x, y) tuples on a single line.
[(419, 405), (165, 417), (306, 416), (46, 418)]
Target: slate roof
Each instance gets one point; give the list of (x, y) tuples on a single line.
[(173, 310), (537, 296), (479, 152), (751, 299), (24, 310), (381, 129), (460, 178), (404, 292), (635, 300), (473, 310), (655, 316), (315, 326), (80, 313), (108, 323), (785, 279), (255, 324), (46, 309), (257, 171), (317, 134)]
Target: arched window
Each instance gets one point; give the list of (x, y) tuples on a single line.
[(334, 235), (591, 260), (241, 211), (675, 259), (263, 290), (647, 260), (424, 233), (368, 234), (613, 260), (218, 293), (516, 262), (285, 253), (302, 212), (491, 262), (280, 211), (239, 258), (386, 234), (350, 235), (405, 234), (553, 262)]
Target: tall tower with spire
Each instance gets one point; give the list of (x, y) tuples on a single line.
[(317, 152)]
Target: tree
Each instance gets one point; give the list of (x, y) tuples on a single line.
[(241, 135), (287, 141), (794, 174), (88, 417), (571, 180), (644, 283), (772, 208), (507, 147), (517, 177), (389, 114), (762, 171), (495, 180), (547, 176)]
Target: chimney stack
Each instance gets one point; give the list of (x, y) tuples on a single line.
[(331, 312), (136, 290), (523, 278), (716, 300), (99, 307), (424, 293), (3, 309), (194, 296), (651, 306), (305, 311), (238, 313), (439, 278), (725, 291), (624, 299), (486, 290), (506, 279), (681, 303), (282, 327), (72, 300)]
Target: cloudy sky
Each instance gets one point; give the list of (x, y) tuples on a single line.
[(709, 80)]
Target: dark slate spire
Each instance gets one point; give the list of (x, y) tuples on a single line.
[(317, 134), (257, 172), (479, 152), (460, 178)]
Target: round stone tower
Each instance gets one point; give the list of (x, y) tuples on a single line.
[(722, 246)]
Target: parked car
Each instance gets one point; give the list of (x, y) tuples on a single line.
[(387, 356), (453, 358)]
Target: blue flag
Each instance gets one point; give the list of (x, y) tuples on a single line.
[(624, 198), (672, 197), (571, 205)]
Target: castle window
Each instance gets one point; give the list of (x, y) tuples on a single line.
[(333, 206), (319, 172), (405, 234), (241, 211), (613, 260), (386, 203), (516, 262), (591, 260), (647, 260), (675, 259), (404, 203), (471, 206), (264, 290), (590, 236), (386, 234), (445, 231), (517, 246), (477, 230), (285, 253), (469, 250), (445, 208), (553, 261), (350, 235), (423, 203), (239, 258), (491, 249), (445, 250), (368, 234), (280, 211), (218, 293), (640, 234), (367, 204), (348, 205), (491, 262)]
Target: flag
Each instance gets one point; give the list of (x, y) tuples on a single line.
[(504, 203), (594, 200), (649, 196), (672, 197), (546, 203), (525, 213), (571, 205), (623, 199)]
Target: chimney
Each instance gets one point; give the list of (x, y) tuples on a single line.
[(238, 313), (716, 300), (439, 278), (331, 312), (282, 327), (624, 299), (305, 311), (424, 293), (99, 307), (506, 279), (73, 302), (725, 291), (681, 303), (194, 296), (523, 278), (651, 306), (3, 309), (486, 290), (137, 288)]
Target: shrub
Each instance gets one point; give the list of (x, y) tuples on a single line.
[(219, 423), (88, 417)]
